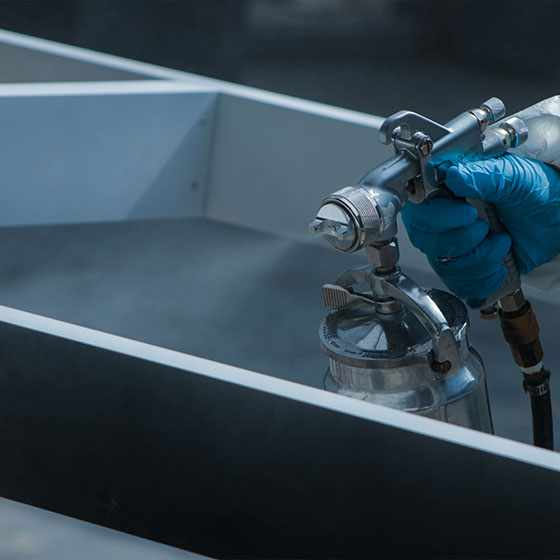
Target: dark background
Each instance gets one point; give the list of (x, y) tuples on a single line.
[(377, 56)]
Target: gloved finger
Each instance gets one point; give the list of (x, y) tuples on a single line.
[(508, 180), (451, 243), (476, 289), (483, 260), (439, 214)]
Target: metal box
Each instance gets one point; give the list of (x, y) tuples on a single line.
[(161, 366)]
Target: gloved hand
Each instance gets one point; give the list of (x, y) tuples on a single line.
[(526, 194)]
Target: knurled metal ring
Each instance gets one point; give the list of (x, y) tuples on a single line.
[(363, 211)]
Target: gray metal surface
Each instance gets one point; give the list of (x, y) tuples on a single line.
[(199, 286), (21, 65), (104, 157), (272, 163), (25, 59)]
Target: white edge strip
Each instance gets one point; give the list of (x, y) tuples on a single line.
[(273, 385), (70, 89)]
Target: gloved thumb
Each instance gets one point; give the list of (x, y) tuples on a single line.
[(476, 179)]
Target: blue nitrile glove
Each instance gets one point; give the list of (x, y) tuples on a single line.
[(526, 194)]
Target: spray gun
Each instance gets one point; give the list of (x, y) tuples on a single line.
[(423, 333)]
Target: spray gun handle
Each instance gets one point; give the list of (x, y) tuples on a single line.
[(512, 283), (508, 133), (497, 139)]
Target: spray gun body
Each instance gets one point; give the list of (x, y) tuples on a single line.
[(365, 216), (366, 213)]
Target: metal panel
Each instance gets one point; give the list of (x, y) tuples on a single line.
[(231, 463), (20, 65), (273, 164), (84, 158)]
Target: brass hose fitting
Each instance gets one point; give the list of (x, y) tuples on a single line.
[(521, 331)]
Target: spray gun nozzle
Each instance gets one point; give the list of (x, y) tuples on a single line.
[(334, 223), (331, 228)]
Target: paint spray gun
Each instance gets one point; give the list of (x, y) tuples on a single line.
[(392, 342)]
